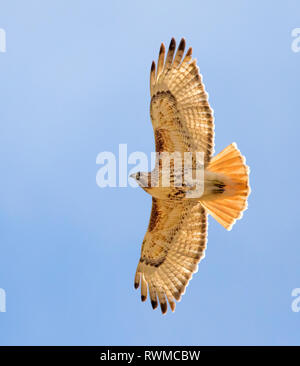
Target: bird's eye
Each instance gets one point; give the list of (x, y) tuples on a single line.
[(138, 175)]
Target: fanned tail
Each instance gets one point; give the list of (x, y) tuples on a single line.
[(228, 204)]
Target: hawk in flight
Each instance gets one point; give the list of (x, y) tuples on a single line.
[(183, 122)]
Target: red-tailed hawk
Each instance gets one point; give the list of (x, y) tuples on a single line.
[(176, 237)]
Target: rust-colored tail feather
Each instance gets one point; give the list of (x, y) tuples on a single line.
[(228, 207)]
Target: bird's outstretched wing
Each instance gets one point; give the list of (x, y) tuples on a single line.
[(181, 116), (173, 245)]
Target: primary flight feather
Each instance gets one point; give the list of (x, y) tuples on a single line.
[(183, 122)]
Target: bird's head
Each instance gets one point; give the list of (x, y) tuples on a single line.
[(141, 178)]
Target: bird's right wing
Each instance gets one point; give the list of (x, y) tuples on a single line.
[(173, 245)]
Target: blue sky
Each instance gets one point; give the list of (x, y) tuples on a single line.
[(73, 83)]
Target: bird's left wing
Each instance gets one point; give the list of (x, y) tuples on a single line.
[(173, 245), (181, 116)]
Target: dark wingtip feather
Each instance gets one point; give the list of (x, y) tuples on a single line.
[(154, 304), (189, 52), (172, 305), (162, 48), (181, 46), (172, 44), (143, 298), (153, 66), (136, 285), (163, 307)]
